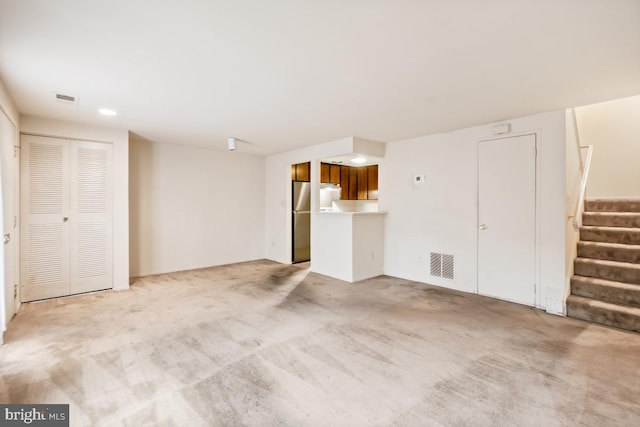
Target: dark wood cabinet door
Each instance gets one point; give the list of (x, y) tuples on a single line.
[(334, 174), (302, 171), (325, 176), (372, 182), (344, 182), (362, 183), (353, 183)]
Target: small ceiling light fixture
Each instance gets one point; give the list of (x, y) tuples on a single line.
[(231, 143), (107, 112), (358, 160)]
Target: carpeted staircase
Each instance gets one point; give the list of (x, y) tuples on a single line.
[(605, 287)]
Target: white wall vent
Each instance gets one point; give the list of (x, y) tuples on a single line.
[(66, 99), (442, 265)]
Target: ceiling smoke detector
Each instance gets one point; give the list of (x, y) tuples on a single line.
[(232, 144)]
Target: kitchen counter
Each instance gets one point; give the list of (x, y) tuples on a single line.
[(347, 245)]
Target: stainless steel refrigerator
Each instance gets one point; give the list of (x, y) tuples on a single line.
[(301, 221)]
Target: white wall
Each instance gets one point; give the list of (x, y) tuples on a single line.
[(613, 128), (120, 141), (9, 125), (193, 207), (441, 214)]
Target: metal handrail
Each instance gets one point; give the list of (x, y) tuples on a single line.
[(577, 212)]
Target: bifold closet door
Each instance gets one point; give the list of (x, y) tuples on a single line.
[(45, 233), (90, 223), (66, 217)]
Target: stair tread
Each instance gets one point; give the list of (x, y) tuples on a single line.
[(611, 306), (608, 262), (612, 199), (611, 213), (609, 245), (608, 234), (605, 282), (611, 228)]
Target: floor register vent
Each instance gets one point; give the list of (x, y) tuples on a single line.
[(442, 265)]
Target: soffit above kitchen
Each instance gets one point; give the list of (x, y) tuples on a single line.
[(285, 74)]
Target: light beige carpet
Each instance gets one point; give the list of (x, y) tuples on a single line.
[(264, 344)]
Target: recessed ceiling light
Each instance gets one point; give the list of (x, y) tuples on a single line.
[(107, 112), (358, 160)]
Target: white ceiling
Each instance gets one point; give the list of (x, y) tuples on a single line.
[(281, 74)]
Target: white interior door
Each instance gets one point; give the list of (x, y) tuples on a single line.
[(506, 218), (67, 217), (45, 212)]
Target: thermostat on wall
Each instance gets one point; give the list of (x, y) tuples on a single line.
[(418, 179)]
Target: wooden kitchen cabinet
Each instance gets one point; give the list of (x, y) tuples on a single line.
[(330, 174), (325, 175), (362, 183), (344, 182), (372, 182), (301, 172), (334, 174), (353, 183), (357, 183)]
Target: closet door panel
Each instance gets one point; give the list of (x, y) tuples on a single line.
[(91, 208), (45, 199)]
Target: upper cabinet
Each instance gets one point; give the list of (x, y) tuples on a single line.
[(357, 183), (301, 172), (372, 182), (325, 173), (363, 183), (330, 174)]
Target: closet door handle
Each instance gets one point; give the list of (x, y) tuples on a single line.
[(65, 219)]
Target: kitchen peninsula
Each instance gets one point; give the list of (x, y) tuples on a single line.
[(348, 245)]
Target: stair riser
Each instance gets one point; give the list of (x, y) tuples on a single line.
[(614, 273), (613, 254), (604, 293), (603, 316), (612, 206), (611, 236), (611, 220)]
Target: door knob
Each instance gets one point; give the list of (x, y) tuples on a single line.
[(483, 226), (7, 238), (65, 219)]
